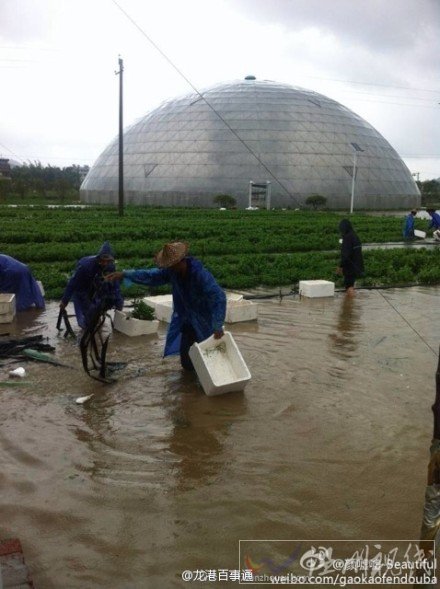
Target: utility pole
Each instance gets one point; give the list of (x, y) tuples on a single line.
[(121, 139)]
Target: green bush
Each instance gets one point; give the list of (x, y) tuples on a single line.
[(242, 250), (225, 200), (142, 311), (316, 201)]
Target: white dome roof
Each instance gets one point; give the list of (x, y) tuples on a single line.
[(184, 153)]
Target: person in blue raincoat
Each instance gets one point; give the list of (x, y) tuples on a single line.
[(434, 224), (15, 277), (199, 304), (88, 289), (409, 226)]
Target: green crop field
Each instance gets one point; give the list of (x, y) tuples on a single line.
[(243, 249)]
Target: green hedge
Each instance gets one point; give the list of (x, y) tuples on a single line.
[(243, 249)]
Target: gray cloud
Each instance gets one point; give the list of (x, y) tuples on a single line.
[(390, 43), (24, 20), (372, 23)]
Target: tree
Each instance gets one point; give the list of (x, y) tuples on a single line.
[(316, 201), (225, 200), (47, 181), (19, 186), (430, 191), (5, 187), (62, 186)]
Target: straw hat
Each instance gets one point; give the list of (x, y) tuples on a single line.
[(171, 254)]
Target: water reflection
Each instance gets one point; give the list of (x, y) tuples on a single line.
[(198, 440), (165, 434), (344, 342), (152, 466)]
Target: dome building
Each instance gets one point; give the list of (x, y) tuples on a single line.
[(185, 152)]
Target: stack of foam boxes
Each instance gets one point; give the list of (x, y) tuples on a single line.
[(162, 305), (237, 308), (7, 307)]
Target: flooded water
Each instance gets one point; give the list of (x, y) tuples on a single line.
[(409, 245), (151, 477)]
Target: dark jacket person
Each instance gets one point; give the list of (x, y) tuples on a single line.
[(87, 288), (352, 262)]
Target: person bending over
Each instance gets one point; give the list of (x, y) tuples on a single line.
[(199, 303)]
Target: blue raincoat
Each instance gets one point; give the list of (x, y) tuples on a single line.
[(88, 289), (435, 221), (408, 229), (16, 278), (197, 298)]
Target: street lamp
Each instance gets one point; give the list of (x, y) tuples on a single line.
[(121, 140), (356, 150)]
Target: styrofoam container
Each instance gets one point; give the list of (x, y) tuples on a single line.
[(162, 305), (240, 310), (18, 372), (219, 365), (237, 309), (316, 288), (233, 297), (7, 302), (7, 307), (133, 327), (7, 317), (419, 233)]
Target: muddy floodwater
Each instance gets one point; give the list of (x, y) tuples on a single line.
[(151, 477)]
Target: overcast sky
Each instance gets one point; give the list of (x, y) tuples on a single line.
[(59, 97)]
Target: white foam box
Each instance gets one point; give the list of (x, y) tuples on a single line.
[(240, 310), (133, 327), (7, 307), (219, 365), (233, 296), (316, 288), (162, 305), (419, 233), (237, 309)]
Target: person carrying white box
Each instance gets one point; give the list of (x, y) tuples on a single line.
[(199, 303)]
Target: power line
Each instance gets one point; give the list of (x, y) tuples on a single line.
[(395, 103), (408, 323), (17, 60), (10, 151), (349, 91), (391, 96), (374, 84), (38, 157), (251, 151)]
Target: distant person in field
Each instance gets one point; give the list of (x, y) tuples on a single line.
[(16, 278), (352, 261), (88, 289), (434, 224), (199, 304), (409, 226)]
